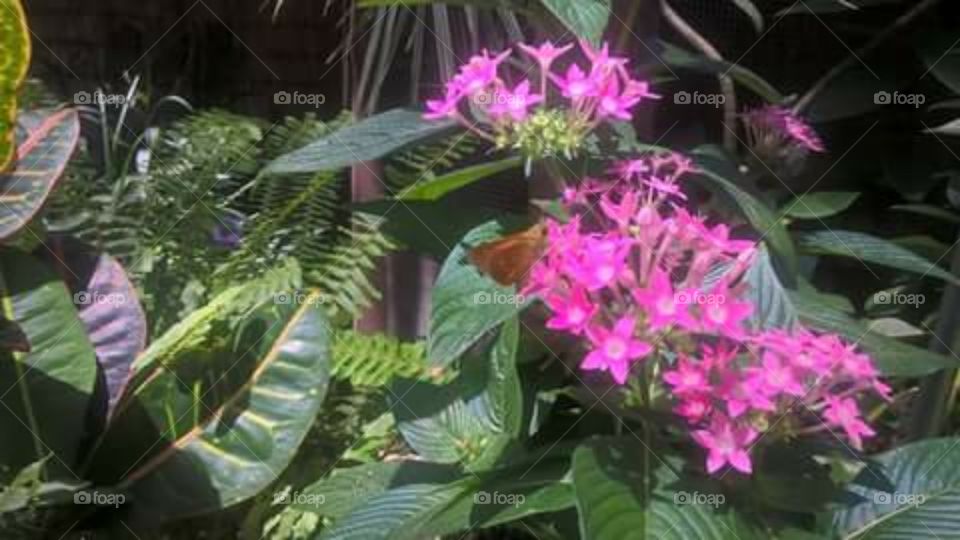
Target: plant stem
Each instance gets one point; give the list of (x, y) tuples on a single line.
[(726, 82)]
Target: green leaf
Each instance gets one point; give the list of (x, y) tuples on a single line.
[(773, 306), (586, 19), (940, 55), (929, 210), (230, 423), (675, 56), (819, 205), (367, 140), (910, 492), (750, 10), (757, 213), (871, 249), (950, 128), (893, 358), (623, 492), (465, 303), (46, 392), (44, 147), (15, 44), (440, 186)]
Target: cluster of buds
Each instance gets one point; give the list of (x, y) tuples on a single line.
[(638, 281), (551, 118)]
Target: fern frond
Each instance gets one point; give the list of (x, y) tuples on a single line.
[(374, 360)]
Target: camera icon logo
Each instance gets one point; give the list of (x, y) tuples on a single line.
[(882, 98), (481, 497), (82, 298), (882, 298), (282, 98), (82, 497), (682, 98), (283, 298), (882, 498), (83, 98)]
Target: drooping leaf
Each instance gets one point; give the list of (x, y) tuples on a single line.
[(368, 139), (750, 10), (108, 306), (950, 128), (893, 357), (773, 307), (43, 148), (929, 210), (465, 303), (15, 44), (871, 249), (226, 424), (440, 186), (820, 204), (625, 492), (586, 19), (678, 57), (910, 492), (46, 392)]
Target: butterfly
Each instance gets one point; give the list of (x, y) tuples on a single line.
[(509, 259)]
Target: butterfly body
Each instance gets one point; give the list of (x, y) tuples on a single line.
[(508, 260)]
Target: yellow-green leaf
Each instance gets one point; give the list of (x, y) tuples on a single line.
[(14, 59)]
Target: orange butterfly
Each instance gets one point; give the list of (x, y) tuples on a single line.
[(509, 259)]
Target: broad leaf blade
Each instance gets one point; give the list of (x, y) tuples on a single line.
[(42, 154), (227, 440), (586, 19), (15, 44), (914, 492), (438, 187), (46, 392), (820, 204), (369, 139), (871, 249)]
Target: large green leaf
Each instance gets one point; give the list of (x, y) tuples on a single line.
[(819, 205), (424, 509), (586, 19), (226, 422), (369, 139), (438, 187), (772, 303), (44, 147), (15, 58), (45, 393), (910, 492), (871, 249), (624, 492), (893, 357), (466, 304)]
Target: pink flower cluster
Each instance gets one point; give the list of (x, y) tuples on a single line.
[(775, 125), (603, 90), (644, 280)]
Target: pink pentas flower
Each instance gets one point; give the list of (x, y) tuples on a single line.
[(845, 414), (694, 408), (661, 305), (613, 103), (688, 378), (721, 313), (576, 84), (615, 349), (776, 124), (479, 71), (446, 107), (727, 443), (778, 377), (571, 313), (513, 104), (545, 53), (602, 262)]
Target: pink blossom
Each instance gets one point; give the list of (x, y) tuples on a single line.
[(688, 378), (545, 53), (845, 414), (663, 310), (615, 349), (576, 84), (514, 104), (725, 443), (723, 314), (571, 313)]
